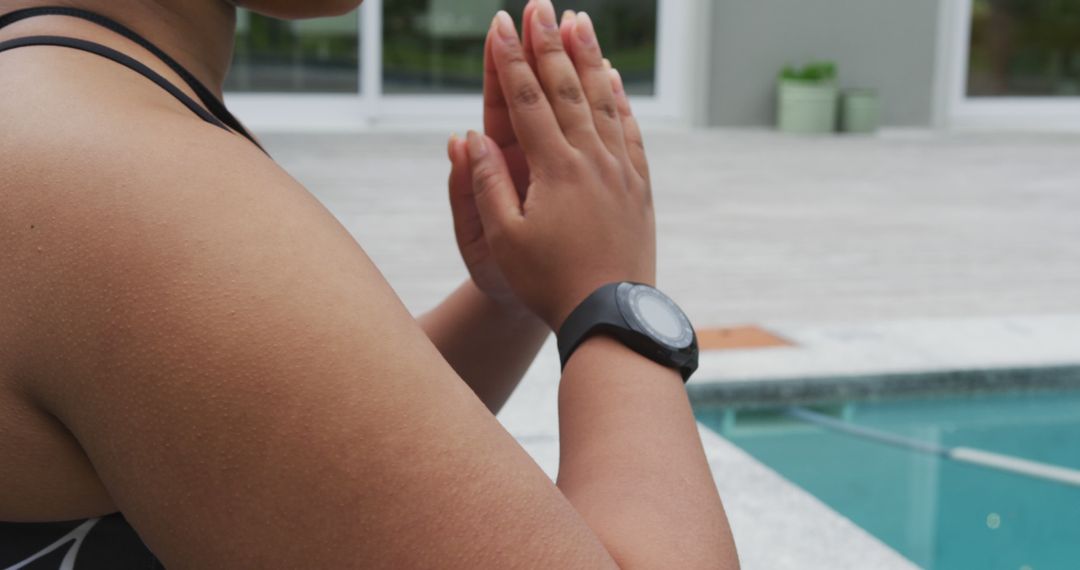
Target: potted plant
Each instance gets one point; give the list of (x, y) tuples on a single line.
[(807, 99), (859, 111)]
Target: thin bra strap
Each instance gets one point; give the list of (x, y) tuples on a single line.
[(122, 59), (215, 105)]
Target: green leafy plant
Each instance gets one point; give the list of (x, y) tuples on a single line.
[(813, 72)]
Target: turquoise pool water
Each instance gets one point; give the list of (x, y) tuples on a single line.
[(941, 514)]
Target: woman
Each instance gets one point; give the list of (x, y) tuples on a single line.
[(189, 338)]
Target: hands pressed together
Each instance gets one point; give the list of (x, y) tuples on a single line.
[(554, 200)]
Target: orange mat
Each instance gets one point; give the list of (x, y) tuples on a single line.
[(736, 338)]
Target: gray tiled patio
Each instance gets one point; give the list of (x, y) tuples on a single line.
[(755, 226)]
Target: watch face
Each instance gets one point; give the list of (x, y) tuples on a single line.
[(653, 313)]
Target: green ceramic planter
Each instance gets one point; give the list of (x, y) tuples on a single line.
[(860, 111), (806, 107)]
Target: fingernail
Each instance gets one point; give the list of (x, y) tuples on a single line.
[(607, 63), (477, 147), (567, 16), (504, 25), (450, 146), (585, 31), (546, 14)]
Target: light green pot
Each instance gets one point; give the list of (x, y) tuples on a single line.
[(806, 108), (860, 111)]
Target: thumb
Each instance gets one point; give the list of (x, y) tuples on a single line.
[(493, 188), (467, 224)]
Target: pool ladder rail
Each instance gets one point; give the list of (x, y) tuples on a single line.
[(980, 457)]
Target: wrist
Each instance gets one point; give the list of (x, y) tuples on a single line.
[(507, 307), (578, 295), (602, 352)]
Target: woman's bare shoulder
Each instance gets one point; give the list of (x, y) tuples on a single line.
[(112, 190)]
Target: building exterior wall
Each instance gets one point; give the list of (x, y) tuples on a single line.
[(889, 45)]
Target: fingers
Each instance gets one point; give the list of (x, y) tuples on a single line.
[(496, 198), (559, 78), (497, 123), (566, 27), (467, 225), (526, 32), (635, 145), (496, 113), (460, 172), (458, 160), (530, 113), (596, 80)]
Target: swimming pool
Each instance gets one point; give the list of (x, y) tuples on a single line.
[(941, 514)]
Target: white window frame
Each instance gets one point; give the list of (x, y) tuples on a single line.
[(371, 108), (959, 111)]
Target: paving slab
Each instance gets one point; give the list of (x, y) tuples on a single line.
[(858, 349)]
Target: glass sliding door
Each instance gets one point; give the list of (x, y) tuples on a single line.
[(1024, 48), (303, 56), (410, 62), (437, 46)]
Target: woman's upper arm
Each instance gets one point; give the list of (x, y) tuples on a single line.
[(252, 393)]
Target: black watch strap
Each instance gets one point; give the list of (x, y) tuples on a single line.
[(599, 312)]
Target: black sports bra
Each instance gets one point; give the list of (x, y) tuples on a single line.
[(104, 543), (109, 542)]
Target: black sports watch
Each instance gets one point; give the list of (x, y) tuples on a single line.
[(642, 318)]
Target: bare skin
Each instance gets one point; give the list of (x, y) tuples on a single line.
[(191, 338)]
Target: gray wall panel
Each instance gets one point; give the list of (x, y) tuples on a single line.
[(889, 45)]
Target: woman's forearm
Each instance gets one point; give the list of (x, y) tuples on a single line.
[(488, 344), (632, 462)]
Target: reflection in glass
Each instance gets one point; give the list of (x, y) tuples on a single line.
[(437, 46), (319, 55), (1025, 48)]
